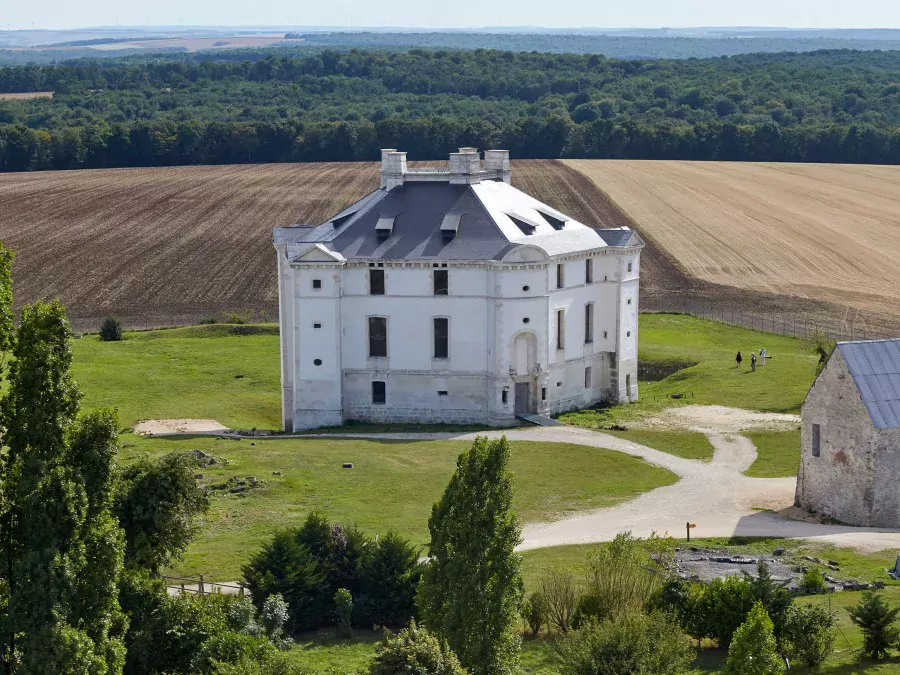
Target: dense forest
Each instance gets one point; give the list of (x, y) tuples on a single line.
[(836, 106)]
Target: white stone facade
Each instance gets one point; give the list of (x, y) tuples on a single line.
[(501, 314), (851, 474)]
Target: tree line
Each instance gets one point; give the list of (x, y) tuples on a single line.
[(168, 143)]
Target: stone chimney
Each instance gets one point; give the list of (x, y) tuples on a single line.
[(497, 160), (393, 168), (465, 167)]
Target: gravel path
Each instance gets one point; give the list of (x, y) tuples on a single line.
[(714, 495)]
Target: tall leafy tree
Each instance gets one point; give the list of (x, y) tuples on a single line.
[(61, 551), (472, 588)]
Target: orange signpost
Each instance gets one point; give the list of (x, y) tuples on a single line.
[(690, 526)]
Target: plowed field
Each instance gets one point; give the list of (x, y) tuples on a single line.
[(168, 246), (812, 231)]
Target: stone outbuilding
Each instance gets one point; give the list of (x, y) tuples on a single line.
[(447, 295), (850, 439)]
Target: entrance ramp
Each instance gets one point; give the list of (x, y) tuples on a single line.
[(539, 420)]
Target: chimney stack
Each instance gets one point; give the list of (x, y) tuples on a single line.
[(393, 168), (465, 167), (497, 160)]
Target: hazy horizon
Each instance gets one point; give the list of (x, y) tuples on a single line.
[(406, 14)]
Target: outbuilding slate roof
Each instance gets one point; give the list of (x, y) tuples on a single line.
[(875, 367), (483, 217)]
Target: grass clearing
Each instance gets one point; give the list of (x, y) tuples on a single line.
[(779, 386), (778, 454), (687, 444), (231, 375), (392, 485)]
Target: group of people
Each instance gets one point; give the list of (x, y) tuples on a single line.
[(739, 359)]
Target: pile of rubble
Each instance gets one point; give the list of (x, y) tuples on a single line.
[(237, 485), (706, 565)]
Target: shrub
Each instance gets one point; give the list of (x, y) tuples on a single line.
[(725, 605), (627, 643), (810, 635), (773, 595), (618, 579), (753, 648), (877, 622), (111, 329), (208, 321), (534, 612), (559, 592), (414, 651), (813, 579), (343, 608), (307, 566)]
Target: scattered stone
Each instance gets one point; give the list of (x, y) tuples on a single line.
[(198, 476), (252, 480), (218, 486), (238, 489), (778, 551), (253, 444), (211, 461), (348, 465), (878, 584), (276, 473), (239, 377), (198, 454)]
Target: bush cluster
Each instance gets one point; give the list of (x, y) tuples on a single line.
[(311, 565)]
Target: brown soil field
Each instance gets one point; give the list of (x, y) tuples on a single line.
[(828, 235), (170, 246), (198, 43), (24, 96)]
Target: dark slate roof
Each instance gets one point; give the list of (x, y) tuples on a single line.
[(875, 367), (418, 210), (620, 237), (480, 215)]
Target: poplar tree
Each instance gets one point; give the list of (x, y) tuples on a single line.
[(61, 551), (472, 588)]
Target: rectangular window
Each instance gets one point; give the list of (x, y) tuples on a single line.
[(816, 440), (560, 276), (629, 266), (317, 284), (376, 282), (589, 271), (441, 282), (543, 393), (504, 396), (379, 393), (377, 336), (560, 329), (589, 323), (442, 338), (587, 377)]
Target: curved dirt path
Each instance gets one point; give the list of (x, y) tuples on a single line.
[(715, 495)]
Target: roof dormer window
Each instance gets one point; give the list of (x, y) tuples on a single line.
[(527, 228), (341, 220), (385, 227), (555, 223)]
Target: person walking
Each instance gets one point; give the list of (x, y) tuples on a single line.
[(753, 362), (738, 359), (762, 356)]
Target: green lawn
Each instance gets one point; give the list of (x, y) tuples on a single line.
[(687, 444), (780, 386), (392, 485), (778, 454), (205, 372)]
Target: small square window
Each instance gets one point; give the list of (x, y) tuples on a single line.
[(317, 325), (379, 393), (629, 301), (559, 384), (442, 392), (317, 284)]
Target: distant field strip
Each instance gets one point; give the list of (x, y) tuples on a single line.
[(24, 96), (820, 231)]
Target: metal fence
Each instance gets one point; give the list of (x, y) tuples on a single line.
[(852, 326)]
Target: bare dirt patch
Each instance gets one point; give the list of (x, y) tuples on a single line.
[(185, 426), (25, 96), (718, 419)]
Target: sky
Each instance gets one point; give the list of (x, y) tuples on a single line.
[(453, 13)]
